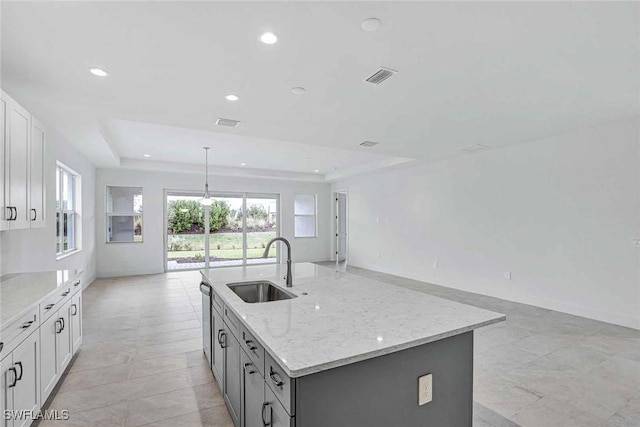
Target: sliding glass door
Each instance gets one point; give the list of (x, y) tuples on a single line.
[(241, 225)]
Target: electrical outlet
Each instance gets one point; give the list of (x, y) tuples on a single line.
[(435, 264), (425, 389), (636, 243), (507, 275)]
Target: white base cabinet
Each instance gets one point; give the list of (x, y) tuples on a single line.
[(21, 383)]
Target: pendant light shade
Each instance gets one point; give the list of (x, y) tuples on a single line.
[(206, 198)]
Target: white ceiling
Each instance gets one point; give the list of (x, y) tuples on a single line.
[(492, 73)]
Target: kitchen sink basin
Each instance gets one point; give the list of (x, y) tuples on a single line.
[(260, 291)]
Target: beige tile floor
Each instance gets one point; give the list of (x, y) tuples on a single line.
[(142, 364)]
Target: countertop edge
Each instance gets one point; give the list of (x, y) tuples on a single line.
[(296, 373), (37, 302)]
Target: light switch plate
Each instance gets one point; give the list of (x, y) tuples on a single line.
[(425, 389)]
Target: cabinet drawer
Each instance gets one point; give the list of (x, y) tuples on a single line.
[(276, 415), (216, 301), (252, 347), (51, 304), (232, 322), (279, 383), (13, 334)]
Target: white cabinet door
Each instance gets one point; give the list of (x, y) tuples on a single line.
[(17, 159), (49, 366), (36, 179), (7, 379), (64, 336), (76, 321), (4, 214), (26, 393)]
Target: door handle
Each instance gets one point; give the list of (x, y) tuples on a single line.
[(35, 214), (19, 377), (265, 423)]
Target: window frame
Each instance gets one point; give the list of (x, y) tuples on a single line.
[(109, 214), (314, 215), (75, 212)]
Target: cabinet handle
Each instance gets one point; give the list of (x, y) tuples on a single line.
[(77, 283), (75, 309), (59, 322), (19, 377), (222, 338), (27, 324), (15, 377), (35, 214), (249, 371), (275, 378), (250, 345), (264, 422), (49, 306), (13, 213), (64, 294), (63, 325), (1, 346)]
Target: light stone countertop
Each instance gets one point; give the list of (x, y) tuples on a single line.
[(19, 292), (343, 319)]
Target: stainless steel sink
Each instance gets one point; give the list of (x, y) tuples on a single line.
[(260, 291)]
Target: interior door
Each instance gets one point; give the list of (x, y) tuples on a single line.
[(341, 226)]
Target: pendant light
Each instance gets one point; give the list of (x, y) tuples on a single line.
[(206, 199)]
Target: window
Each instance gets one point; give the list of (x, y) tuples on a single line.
[(68, 205), (305, 215), (124, 214)]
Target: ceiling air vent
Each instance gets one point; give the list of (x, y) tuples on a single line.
[(368, 144), (475, 147), (228, 123), (381, 75)]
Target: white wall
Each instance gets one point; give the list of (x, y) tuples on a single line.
[(560, 214), (35, 249), (118, 259)]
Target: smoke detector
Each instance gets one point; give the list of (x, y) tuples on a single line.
[(368, 144), (381, 75), (228, 123)]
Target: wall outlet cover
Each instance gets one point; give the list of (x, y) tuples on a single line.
[(425, 389), (507, 275)]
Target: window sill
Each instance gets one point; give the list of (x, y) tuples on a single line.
[(67, 254)]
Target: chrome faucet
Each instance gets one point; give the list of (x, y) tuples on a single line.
[(289, 276)]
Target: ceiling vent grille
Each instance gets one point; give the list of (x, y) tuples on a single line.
[(381, 75), (228, 123), (368, 144), (475, 147)]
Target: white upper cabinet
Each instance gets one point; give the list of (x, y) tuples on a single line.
[(36, 176), (22, 197)]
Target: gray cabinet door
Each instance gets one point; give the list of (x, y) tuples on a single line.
[(217, 353), (252, 393), (7, 380), (26, 393), (232, 376), (276, 415), (65, 345), (49, 364)]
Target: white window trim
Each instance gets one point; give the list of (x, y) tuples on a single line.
[(76, 211), (131, 214), (314, 214)]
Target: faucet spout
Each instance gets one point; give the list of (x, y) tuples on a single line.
[(288, 277)]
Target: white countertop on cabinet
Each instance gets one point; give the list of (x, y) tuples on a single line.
[(21, 291), (340, 318)]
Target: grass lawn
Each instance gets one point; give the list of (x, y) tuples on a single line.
[(222, 245)]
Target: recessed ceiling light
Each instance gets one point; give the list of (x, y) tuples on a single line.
[(147, 155), (306, 158), (371, 24), (317, 170), (268, 38), (100, 72), (298, 90), (232, 97), (243, 164)]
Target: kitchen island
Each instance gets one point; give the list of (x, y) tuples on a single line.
[(342, 351)]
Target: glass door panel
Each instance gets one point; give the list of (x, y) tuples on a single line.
[(261, 226), (227, 237), (185, 232)]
